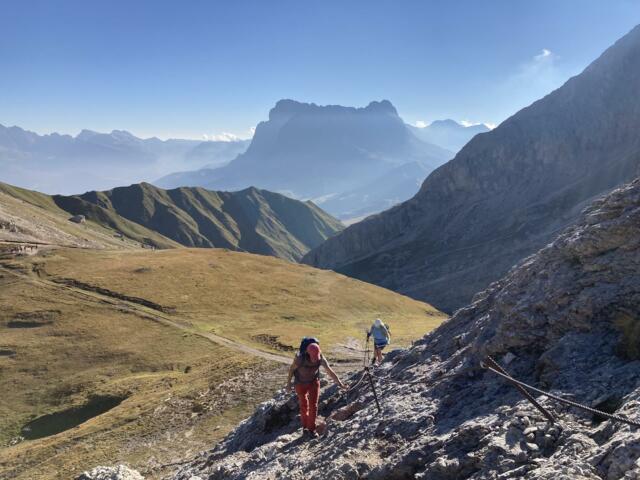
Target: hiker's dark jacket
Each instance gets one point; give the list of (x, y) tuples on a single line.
[(306, 371)]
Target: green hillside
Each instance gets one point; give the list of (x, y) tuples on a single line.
[(250, 220), (37, 218)]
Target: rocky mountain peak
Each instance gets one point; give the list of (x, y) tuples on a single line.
[(383, 106), (328, 152), (288, 108), (86, 134), (446, 123), (123, 134)]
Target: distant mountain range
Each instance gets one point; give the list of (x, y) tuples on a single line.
[(251, 220), (448, 133), (65, 164), (335, 155), (507, 192), (352, 161)]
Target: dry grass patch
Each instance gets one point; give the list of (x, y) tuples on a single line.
[(90, 351), (247, 297)]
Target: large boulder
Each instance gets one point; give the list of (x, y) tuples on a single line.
[(119, 472)]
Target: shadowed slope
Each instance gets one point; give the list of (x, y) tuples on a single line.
[(507, 192)]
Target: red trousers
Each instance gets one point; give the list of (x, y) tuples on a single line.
[(308, 394)]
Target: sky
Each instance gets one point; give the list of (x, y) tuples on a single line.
[(190, 69)]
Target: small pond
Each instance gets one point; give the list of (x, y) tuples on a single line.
[(66, 419)]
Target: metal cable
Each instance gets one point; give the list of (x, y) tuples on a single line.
[(352, 387), (594, 411)]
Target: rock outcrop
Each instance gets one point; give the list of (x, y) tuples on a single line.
[(565, 319), (506, 193), (119, 472)]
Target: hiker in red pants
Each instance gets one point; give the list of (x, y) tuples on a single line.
[(306, 369)]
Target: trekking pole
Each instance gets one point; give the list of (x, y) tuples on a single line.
[(365, 360), (373, 388)]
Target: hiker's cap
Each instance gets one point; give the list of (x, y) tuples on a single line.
[(314, 352), (378, 322)]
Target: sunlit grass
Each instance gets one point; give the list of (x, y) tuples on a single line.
[(170, 378)]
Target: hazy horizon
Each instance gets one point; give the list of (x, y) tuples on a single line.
[(174, 71), (229, 137)]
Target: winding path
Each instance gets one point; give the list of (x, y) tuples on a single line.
[(150, 313)]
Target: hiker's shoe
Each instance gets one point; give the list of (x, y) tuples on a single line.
[(312, 434), (305, 433)]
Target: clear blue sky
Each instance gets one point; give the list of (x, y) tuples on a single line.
[(188, 68)]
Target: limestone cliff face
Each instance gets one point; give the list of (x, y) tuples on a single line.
[(507, 192), (565, 319), (313, 151), (334, 154)]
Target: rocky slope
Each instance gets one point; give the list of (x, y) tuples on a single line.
[(318, 152), (252, 220), (507, 192), (566, 320), (120, 472)]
